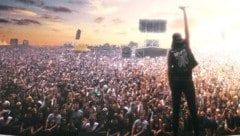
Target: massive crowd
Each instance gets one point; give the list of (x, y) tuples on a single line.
[(55, 91)]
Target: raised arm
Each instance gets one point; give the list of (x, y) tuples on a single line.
[(185, 26)]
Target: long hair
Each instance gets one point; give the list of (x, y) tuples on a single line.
[(175, 38)]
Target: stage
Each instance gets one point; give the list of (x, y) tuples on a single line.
[(150, 52)]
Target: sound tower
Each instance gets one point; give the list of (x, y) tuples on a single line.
[(78, 34), (126, 52)]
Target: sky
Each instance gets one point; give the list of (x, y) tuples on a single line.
[(212, 23)]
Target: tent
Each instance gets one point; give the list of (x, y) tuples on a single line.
[(81, 48)]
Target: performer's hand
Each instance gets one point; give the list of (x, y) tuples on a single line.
[(182, 7)]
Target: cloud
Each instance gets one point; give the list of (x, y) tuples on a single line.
[(20, 11), (58, 9), (6, 8), (55, 30), (19, 21), (27, 1), (24, 12), (25, 22), (49, 17), (82, 2), (58, 26), (32, 2), (98, 7), (117, 21), (99, 20), (4, 21)]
